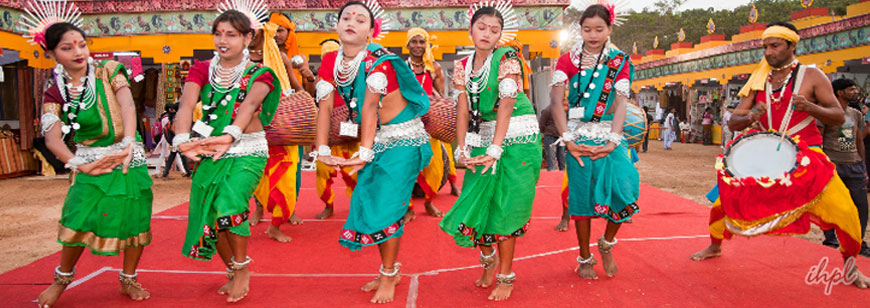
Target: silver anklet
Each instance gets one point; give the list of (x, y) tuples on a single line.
[(238, 266), (393, 274), (488, 261), (62, 278), (587, 261), (230, 273), (506, 279)]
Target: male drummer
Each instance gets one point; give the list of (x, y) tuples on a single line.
[(833, 208), (431, 77)]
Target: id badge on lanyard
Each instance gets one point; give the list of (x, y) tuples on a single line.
[(349, 129), (576, 113), (202, 129)]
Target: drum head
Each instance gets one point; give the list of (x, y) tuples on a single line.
[(759, 155)]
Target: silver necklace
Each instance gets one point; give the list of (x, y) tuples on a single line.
[(476, 87), (224, 80), (345, 72)]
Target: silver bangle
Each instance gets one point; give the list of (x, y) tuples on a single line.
[(74, 163), (126, 141), (568, 136), (494, 151), (180, 138), (366, 154), (322, 150), (233, 131), (459, 152)]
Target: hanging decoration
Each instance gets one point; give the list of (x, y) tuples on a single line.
[(656, 42), (711, 26), (753, 14), (682, 35), (806, 3)]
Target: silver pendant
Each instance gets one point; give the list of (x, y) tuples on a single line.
[(353, 102), (595, 75), (585, 95), (583, 73), (591, 86)]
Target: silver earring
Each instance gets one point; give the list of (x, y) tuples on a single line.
[(246, 53)]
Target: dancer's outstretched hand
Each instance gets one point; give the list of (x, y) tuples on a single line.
[(193, 149), (355, 164), (217, 146), (332, 161)]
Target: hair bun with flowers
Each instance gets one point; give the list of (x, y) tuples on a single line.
[(383, 24), (256, 10), (41, 14), (506, 9)]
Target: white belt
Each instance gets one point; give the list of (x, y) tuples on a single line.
[(409, 133), (522, 129), (92, 154)]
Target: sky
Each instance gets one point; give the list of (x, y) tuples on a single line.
[(638, 5)]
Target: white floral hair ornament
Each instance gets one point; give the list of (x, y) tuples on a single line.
[(256, 10), (383, 23), (41, 14), (506, 9)]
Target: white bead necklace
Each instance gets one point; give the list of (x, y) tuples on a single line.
[(345, 72), (476, 87), (222, 79)]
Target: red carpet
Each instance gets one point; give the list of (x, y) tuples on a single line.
[(314, 270)]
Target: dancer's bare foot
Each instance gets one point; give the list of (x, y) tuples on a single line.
[(226, 287), (711, 251), (606, 250), (503, 289), (409, 215), (563, 224), (372, 285), (432, 210), (134, 290), (239, 285), (295, 220), (586, 268), (454, 190), (386, 287), (257, 214), (327, 212), (487, 277), (274, 232), (50, 295)]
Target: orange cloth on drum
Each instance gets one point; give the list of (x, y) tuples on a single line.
[(831, 209)]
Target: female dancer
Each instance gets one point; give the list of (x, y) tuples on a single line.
[(238, 98), (495, 204), (388, 102), (108, 206), (602, 179)]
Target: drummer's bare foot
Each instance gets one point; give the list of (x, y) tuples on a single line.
[(432, 210), (274, 232), (327, 212), (256, 215), (409, 215), (295, 220), (711, 251), (454, 190), (861, 281)]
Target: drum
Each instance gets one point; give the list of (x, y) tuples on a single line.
[(295, 121), (339, 114), (635, 125), (440, 121), (761, 154), (766, 183)]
